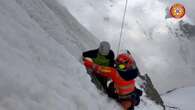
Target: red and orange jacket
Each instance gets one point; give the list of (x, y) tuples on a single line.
[(122, 86)]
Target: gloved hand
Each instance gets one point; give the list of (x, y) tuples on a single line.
[(90, 71), (141, 83), (88, 63), (135, 96)]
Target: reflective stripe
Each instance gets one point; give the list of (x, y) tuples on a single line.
[(127, 86), (123, 90), (125, 97), (105, 70)]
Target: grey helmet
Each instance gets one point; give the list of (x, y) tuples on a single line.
[(104, 48)]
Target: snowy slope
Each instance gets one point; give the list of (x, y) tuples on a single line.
[(181, 99), (155, 41), (37, 67), (40, 44)]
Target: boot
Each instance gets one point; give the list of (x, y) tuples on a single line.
[(131, 108)]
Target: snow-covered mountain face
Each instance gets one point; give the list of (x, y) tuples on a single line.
[(158, 45), (39, 70)]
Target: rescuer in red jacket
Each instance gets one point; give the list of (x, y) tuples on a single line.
[(123, 76)]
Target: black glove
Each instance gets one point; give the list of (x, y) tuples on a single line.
[(135, 96), (138, 92)]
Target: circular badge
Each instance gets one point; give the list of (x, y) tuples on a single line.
[(177, 11)]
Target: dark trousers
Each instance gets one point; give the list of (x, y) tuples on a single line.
[(100, 82)]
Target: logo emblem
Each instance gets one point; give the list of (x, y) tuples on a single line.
[(177, 11)]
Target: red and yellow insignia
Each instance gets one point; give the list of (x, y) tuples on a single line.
[(177, 11)]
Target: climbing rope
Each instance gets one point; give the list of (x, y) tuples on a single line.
[(122, 27)]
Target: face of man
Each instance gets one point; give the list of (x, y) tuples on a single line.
[(104, 48)]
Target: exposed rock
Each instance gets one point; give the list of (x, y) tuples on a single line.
[(151, 92), (188, 29)]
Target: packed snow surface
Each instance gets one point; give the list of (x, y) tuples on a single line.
[(181, 99)]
